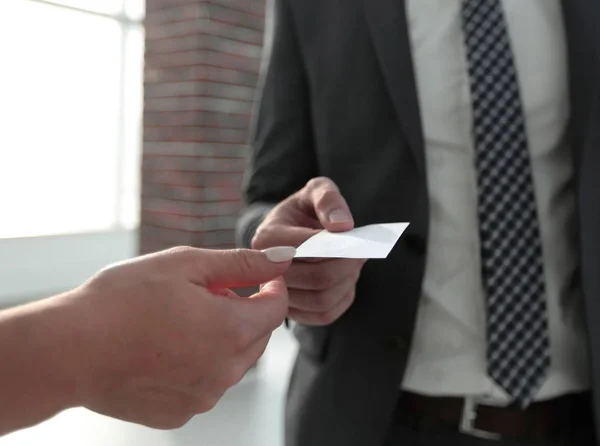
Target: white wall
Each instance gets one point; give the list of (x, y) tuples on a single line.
[(36, 267)]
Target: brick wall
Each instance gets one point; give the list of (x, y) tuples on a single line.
[(202, 64)]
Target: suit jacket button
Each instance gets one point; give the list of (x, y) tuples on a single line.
[(415, 244)]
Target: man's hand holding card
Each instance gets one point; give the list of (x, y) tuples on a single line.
[(331, 252)]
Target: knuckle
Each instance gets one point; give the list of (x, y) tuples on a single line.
[(312, 318), (278, 311), (180, 251), (183, 420), (307, 318), (264, 342), (182, 255), (104, 276), (281, 312), (321, 280), (325, 318), (257, 242), (326, 197), (163, 425), (333, 314), (321, 301), (263, 236), (205, 404), (241, 259), (349, 298), (260, 238), (233, 376), (319, 182), (171, 422)]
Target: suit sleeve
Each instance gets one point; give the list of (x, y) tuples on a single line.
[(282, 157)]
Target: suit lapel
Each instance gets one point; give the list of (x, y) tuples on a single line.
[(582, 24), (389, 32)]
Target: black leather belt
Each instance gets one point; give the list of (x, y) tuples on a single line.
[(540, 420)]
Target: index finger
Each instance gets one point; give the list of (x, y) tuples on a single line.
[(235, 268), (323, 197), (282, 235)]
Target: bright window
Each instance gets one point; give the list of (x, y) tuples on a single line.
[(70, 115)]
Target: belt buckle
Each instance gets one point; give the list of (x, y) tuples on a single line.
[(467, 422)]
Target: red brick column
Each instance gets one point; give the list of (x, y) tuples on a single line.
[(202, 64)]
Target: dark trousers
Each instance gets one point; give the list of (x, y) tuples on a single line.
[(578, 430)]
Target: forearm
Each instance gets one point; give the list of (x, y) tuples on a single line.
[(42, 369), (283, 158)]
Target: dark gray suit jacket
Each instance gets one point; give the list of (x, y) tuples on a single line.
[(339, 100)]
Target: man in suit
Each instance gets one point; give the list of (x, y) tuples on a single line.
[(477, 122)]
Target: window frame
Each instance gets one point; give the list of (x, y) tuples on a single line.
[(40, 265)]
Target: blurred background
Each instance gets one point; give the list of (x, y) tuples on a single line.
[(123, 130)]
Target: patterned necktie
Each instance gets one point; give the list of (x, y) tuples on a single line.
[(518, 344)]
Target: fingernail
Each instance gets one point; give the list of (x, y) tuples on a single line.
[(280, 254), (339, 216)]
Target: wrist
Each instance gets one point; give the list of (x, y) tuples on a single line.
[(63, 347), (83, 347), (43, 370)]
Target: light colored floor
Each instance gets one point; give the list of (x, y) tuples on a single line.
[(251, 414)]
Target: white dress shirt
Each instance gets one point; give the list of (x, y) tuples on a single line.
[(448, 355)]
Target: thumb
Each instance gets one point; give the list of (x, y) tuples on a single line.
[(266, 310), (240, 267), (323, 196)]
